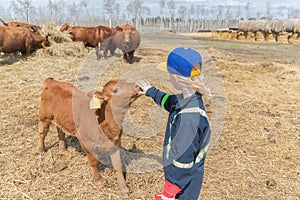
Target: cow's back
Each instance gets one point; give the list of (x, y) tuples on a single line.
[(78, 33)]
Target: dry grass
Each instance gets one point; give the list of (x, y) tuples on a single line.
[(257, 156)]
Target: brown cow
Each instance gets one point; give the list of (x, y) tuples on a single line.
[(32, 27), (14, 39), (127, 38), (98, 130), (90, 36)]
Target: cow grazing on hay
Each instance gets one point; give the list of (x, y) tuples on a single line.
[(97, 129), (14, 39)]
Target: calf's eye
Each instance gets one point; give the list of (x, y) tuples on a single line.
[(115, 90)]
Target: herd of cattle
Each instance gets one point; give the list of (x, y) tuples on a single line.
[(266, 30), (26, 38)]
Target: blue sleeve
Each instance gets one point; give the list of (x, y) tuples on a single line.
[(163, 99)]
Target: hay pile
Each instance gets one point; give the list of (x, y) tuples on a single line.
[(56, 36), (61, 43)]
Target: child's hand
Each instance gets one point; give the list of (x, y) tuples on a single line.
[(144, 85)]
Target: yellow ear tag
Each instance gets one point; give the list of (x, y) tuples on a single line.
[(95, 103)]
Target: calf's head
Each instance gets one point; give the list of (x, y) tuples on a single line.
[(118, 95)]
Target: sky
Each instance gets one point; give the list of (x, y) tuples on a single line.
[(256, 5)]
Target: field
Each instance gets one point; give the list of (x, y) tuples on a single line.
[(256, 157)]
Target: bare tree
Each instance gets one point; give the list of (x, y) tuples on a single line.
[(258, 15), (117, 10), (238, 13), (172, 7), (83, 4), (228, 16), (247, 7), (182, 13), (23, 9), (295, 13), (268, 11), (220, 15), (281, 10), (109, 6), (3, 12), (73, 12), (57, 10), (137, 9), (162, 5), (191, 18)]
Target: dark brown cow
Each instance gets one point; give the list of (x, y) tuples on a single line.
[(32, 27), (14, 39), (97, 130), (90, 36), (127, 38)]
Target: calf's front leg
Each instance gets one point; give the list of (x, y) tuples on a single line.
[(96, 177), (117, 164)]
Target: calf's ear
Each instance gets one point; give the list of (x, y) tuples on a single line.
[(118, 28)]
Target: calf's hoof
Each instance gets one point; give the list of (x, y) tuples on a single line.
[(98, 182), (41, 150), (124, 190), (125, 194)]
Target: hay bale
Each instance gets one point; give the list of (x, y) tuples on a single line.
[(218, 34), (270, 38), (283, 37), (294, 38), (225, 35), (250, 36), (214, 34), (233, 35), (259, 36), (297, 39), (241, 35)]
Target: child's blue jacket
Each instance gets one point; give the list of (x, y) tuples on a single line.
[(187, 135)]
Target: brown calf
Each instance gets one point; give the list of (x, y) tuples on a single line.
[(97, 130)]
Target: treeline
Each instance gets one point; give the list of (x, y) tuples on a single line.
[(171, 16)]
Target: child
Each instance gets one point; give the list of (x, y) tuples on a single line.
[(188, 132)]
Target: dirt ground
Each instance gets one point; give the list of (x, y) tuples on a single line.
[(256, 157)]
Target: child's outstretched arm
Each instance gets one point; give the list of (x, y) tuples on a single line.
[(163, 99)]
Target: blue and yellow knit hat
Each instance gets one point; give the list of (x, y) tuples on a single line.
[(183, 62)]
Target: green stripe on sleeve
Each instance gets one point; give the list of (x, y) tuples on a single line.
[(163, 101)]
